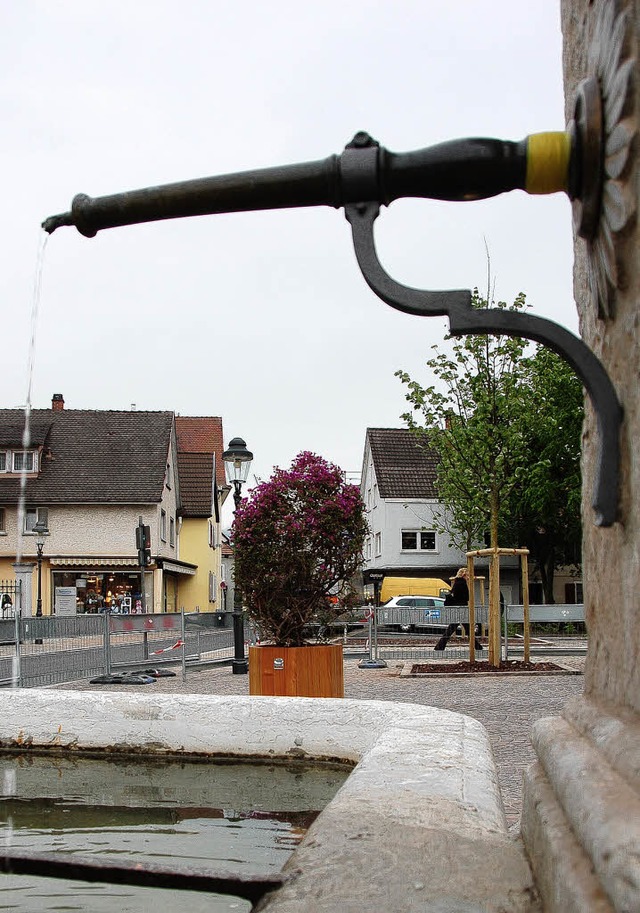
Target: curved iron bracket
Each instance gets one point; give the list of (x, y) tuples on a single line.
[(463, 320)]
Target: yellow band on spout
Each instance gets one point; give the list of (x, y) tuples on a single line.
[(547, 162)]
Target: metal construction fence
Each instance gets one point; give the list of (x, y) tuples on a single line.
[(414, 627), (49, 650)]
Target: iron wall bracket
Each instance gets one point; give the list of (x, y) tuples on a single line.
[(464, 320)]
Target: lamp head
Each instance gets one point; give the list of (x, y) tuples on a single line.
[(237, 461), (41, 530)]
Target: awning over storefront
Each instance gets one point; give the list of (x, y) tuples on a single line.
[(91, 561), (175, 567)]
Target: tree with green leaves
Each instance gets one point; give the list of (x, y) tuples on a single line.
[(506, 427), (545, 508), (473, 416)]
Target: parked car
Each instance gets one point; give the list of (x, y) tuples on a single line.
[(406, 613)]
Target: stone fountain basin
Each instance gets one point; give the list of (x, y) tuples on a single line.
[(418, 825)]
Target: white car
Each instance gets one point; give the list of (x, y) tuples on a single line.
[(405, 613)]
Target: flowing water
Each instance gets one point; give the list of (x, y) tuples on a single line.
[(8, 779), (209, 816), (31, 360)]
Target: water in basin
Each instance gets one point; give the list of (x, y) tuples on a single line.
[(213, 816)]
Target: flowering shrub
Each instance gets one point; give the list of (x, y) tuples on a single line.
[(298, 540)]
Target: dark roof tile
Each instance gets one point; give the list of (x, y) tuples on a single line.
[(91, 457), (404, 467)]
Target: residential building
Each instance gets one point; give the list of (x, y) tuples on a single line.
[(404, 513), (202, 490), (90, 475)]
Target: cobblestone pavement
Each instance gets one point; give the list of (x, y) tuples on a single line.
[(506, 705)]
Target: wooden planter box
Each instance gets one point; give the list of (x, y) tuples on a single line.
[(314, 671)]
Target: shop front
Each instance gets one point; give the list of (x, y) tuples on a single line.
[(172, 573), (101, 585)]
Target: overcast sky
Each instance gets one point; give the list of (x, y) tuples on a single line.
[(262, 318)]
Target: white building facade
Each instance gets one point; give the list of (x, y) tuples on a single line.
[(398, 486)]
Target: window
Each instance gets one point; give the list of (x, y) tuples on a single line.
[(367, 549), (168, 475), (378, 543), (33, 515), (3, 460), (3, 527), (212, 587), (163, 525), (24, 461), (213, 538), (418, 540), (172, 532)]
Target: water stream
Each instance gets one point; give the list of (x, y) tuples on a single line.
[(9, 777), (31, 360)]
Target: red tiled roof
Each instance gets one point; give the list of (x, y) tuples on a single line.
[(202, 434), (199, 440), (195, 471)]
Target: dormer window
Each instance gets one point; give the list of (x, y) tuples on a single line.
[(25, 461)]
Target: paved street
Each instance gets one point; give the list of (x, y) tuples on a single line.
[(506, 705)]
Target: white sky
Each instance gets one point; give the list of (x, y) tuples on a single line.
[(262, 318)]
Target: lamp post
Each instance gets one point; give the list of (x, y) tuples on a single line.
[(237, 462), (41, 530)]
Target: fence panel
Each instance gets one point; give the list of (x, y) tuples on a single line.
[(420, 646), (53, 650), (558, 613), (152, 640)]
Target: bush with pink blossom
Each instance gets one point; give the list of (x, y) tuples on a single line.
[(298, 541)]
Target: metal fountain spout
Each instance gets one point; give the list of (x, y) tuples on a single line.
[(466, 169), (53, 222), (366, 176)]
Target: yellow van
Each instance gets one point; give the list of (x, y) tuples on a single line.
[(412, 586)]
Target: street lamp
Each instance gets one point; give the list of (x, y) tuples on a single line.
[(41, 530), (237, 462)]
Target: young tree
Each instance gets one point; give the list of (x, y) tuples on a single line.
[(298, 541), (506, 426), (473, 417)]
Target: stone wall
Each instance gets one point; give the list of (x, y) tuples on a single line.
[(611, 557), (581, 808)]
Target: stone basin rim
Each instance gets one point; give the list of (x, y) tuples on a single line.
[(423, 785)]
